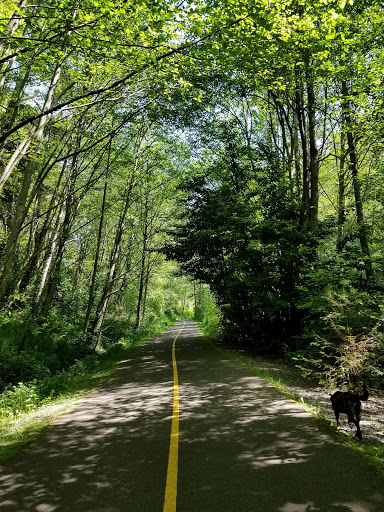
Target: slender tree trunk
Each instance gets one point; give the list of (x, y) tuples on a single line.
[(286, 150), (114, 261), (341, 194), (11, 27), (35, 262), (141, 289), (10, 251), (290, 149), (304, 146), (143, 266), (48, 288), (363, 236), (313, 156), (53, 279), (48, 263), (107, 291), (12, 108), (97, 253), (116, 249), (14, 103), (146, 283), (77, 274), (35, 135), (295, 144), (22, 210)]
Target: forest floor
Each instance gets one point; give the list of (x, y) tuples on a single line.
[(317, 398)]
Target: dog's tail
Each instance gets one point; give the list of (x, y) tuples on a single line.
[(365, 394)]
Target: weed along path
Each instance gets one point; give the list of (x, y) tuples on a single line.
[(181, 426)]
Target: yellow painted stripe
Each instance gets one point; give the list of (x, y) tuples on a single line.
[(171, 486)]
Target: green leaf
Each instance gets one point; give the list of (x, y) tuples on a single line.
[(197, 30)]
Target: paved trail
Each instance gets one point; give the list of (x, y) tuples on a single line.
[(243, 447)]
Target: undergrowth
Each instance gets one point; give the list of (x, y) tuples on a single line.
[(27, 407)]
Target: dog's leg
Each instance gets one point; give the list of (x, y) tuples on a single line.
[(351, 420), (358, 417), (337, 414)]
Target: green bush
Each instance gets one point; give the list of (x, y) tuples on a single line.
[(207, 312), (344, 342), (19, 399)]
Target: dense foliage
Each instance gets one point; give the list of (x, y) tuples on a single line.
[(284, 219), (241, 139)]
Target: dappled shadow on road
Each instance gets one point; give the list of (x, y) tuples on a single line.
[(245, 447), (109, 453)]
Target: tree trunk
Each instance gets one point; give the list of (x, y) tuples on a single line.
[(141, 290), (313, 156), (10, 251), (35, 135), (12, 108), (52, 281), (35, 262), (48, 262), (295, 144), (11, 27), (362, 229), (143, 263), (304, 146), (341, 194), (146, 283), (116, 249), (52, 274), (114, 260), (97, 253), (22, 210)]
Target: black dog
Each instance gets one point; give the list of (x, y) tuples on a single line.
[(350, 404)]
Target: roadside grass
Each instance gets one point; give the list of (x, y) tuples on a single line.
[(21, 423), (286, 380), (289, 380), (16, 433), (372, 452)]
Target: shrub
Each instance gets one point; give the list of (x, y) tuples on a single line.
[(346, 344), (18, 399)]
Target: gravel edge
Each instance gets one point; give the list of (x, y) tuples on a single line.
[(317, 398)]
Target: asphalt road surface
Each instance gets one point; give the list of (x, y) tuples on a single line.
[(242, 446)]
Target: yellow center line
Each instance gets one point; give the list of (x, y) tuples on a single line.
[(171, 486)]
